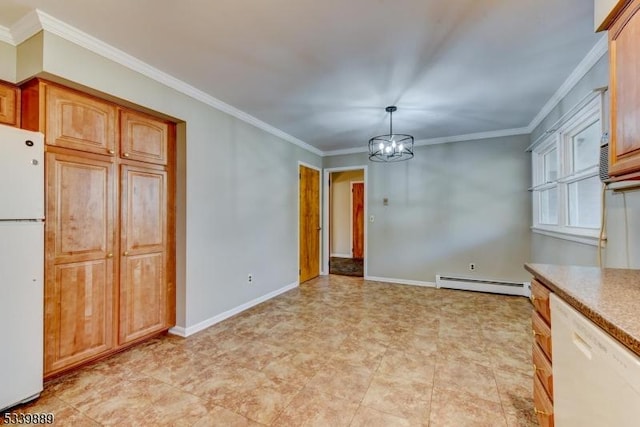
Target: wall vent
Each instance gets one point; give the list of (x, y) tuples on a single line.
[(483, 285)]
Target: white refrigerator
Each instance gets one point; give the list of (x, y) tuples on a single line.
[(21, 265)]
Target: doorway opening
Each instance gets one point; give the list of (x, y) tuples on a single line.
[(345, 211)]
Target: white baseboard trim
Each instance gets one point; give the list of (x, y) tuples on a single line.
[(401, 281), (185, 332), (341, 256)]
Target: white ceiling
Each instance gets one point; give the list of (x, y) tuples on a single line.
[(323, 71)]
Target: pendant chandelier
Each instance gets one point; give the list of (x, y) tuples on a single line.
[(391, 147)]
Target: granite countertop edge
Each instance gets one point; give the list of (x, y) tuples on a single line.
[(600, 319)]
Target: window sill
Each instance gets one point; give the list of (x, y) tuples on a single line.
[(585, 239)]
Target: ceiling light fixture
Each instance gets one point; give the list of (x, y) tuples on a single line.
[(391, 147)]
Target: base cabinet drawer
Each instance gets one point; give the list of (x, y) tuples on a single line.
[(543, 369), (542, 405)]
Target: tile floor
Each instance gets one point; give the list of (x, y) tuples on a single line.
[(338, 351)]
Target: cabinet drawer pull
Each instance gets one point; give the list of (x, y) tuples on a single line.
[(109, 255), (539, 412), (112, 152), (125, 253), (125, 154)]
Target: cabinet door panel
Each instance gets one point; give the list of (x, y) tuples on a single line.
[(79, 312), (79, 122), (142, 302), (9, 105), (624, 37), (79, 207), (143, 138), (79, 243), (143, 288)]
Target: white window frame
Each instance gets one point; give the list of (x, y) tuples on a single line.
[(561, 140)]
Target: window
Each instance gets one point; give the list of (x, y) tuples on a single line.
[(566, 186)]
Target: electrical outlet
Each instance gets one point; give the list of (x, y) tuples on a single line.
[(250, 279), (472, 266)]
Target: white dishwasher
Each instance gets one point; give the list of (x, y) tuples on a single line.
[(596, 380)]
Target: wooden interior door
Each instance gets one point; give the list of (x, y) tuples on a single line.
[(144, 250), (357, 216), (309, 223), (79, 288)]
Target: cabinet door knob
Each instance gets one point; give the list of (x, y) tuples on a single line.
[(125, 154), (112, 152), (125, 253), (110, 255)]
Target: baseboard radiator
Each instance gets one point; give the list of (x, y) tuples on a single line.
[(483, 285)]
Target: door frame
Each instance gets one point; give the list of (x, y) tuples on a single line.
[(320, 192), (325, 217), (364, 218)]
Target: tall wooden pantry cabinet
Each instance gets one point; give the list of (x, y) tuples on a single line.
[(109, 225)]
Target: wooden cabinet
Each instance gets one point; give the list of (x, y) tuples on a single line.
[(9, 104), (143, 138), (624, 146), (79, 230), (109, 224), (144, 247), (542, 354)]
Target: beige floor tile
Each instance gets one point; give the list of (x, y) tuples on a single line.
[(472, 378), (400, 397), (342, 380), (313, 408), (460, 409), (222, 417), (368, 417)]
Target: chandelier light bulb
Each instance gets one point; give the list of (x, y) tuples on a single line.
[(400, 147), (388, 149), (393, 144), (381, 146)]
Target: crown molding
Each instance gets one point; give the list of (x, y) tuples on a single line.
[(39, 20), (594, 55), (5, 36), (27, 26), (442, 140)]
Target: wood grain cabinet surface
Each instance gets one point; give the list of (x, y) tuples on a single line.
[(110, 224), (9, 104), (143, 242), (143, 137), (79, 290), (542, 354), (624, 146)]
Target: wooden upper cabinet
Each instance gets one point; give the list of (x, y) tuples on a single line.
[(143, 289), (9, 105), (624, 39), (143, 138), (78, 121)]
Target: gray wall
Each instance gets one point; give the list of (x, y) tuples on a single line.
[(451, 205), (7, 62), (237, 185), (622, 209)]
